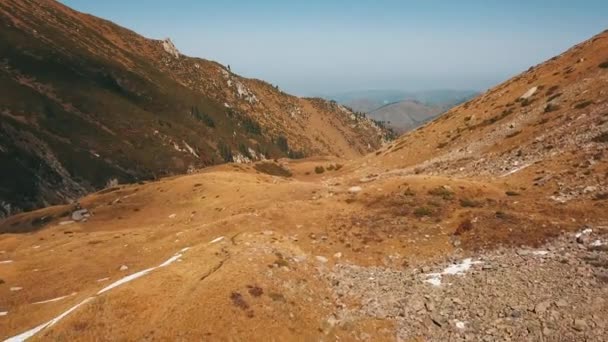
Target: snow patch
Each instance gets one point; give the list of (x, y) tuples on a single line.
[(540, 253), (355, 189), (55, 299), (217, 239), (529, 93), (6, 261), (584, 232), (3, 313), (517, 169), (454, 269), (597, 243), (24, 336)]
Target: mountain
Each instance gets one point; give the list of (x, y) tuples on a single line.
[(489, 223), (405, 115), (87, 103), (367, 101)]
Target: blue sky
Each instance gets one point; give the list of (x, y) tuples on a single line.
[(315, 47)]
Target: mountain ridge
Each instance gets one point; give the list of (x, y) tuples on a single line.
[(85, 91)]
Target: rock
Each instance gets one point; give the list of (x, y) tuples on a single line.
[(561, 303), (542, 307), (321, 259), (80, 215), (580, 325), (124, 267), (170, 48)]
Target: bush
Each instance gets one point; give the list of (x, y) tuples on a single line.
[(463, 227), (512, 193), (319, 169), (203, 117), (225, 152), (245, 151), (551, 107), (442, 192), (469, 203), (602, 138), (282, 144), (583, 104), (273, 169), (603, 65), (251, 126), (423, 211), (295, 154), (513, 134)]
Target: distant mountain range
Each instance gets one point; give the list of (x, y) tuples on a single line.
[(400, 109)]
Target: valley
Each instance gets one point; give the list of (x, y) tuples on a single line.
[(488, 223)]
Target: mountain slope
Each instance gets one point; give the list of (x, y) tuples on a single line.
[(551, 120), (405, 115), (87, 102)]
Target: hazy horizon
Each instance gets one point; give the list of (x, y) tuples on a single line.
[(320, 48)]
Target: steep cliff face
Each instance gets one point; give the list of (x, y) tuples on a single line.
[(86, 102)]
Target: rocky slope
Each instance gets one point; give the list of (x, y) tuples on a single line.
[(88, 103)]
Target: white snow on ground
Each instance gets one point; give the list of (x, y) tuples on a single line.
[(597, 243), (55, 299), (517, 169), (6, 261), (102, 280), (24, 336), (217, 239), (139, 274), (3, 313), (355, 189), (529, 93), (460, 325), (540, 253), (584, 232), (454, 269)]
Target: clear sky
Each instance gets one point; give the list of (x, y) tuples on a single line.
[(315, 47)]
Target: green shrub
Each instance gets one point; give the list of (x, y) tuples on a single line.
[(442, 192), (602, 138), (251, 126), (423, 211), (583, 104), (225, 152), (282, 144), (203, 117), (244, 151), (319, 169), (603, 65), (469, 203)]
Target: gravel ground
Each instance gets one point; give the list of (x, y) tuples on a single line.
[(558, 292)]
